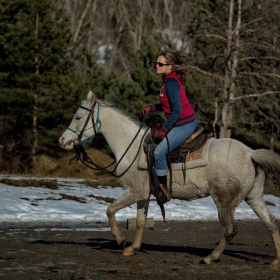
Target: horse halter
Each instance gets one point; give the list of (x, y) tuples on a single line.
[(95, 125)]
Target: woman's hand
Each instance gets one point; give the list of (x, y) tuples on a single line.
[(146, 110), (160, 135)]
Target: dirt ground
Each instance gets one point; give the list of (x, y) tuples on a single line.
[(172, 250)]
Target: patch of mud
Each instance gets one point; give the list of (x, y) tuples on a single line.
[(172, 250)]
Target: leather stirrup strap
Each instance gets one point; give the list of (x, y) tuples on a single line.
[(166, 192), (153, 179)]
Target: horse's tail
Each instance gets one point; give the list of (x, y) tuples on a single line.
[(268, 161)]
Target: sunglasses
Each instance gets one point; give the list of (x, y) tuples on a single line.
[(160, 64)]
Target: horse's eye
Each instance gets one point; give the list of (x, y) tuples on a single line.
[(78, 118)]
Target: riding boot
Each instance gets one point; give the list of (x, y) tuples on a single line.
[(164, 194)]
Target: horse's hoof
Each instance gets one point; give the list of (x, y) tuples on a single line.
[(202, 261), (127, 254), (205, 261), (275, 264)]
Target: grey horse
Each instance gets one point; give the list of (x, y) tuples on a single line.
[(234, 173)]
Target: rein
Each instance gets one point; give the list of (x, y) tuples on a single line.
[(86, 160)]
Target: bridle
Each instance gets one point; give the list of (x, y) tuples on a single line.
[(96, 125)]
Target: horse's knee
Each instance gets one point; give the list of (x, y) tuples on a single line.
[(272, 227), (141, 222), (254, 202), (229, 233), (227, 221), (260, 208), (109, 212)]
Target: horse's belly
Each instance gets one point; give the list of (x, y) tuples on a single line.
[(193, 186)]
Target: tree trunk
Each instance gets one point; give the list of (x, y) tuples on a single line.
[(216, 118), (168, 5), (35, 106), (77, 31), (230, 73), (227, 78), (272, 143)]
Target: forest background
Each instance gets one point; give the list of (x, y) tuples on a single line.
[(53, 52)]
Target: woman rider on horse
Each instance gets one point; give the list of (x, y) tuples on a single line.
[(181, 119)]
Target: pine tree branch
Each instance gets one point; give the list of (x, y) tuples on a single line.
[(153, 14), (194, 68), (260, 44), (256, 95), (267, 117), (206, 11), (248, 23), (260, 57), (81, 21), (212, 36), (258, 75)]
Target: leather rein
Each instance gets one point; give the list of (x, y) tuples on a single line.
[(96, 125)]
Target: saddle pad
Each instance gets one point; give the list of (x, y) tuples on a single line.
[(196, 158)]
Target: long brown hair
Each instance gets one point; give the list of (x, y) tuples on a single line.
[(178, 61)]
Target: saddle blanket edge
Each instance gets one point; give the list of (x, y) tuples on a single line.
[(143, 164)]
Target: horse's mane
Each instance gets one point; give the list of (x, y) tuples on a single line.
[(114, 104)]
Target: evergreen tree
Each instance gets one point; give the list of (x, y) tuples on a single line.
[(36, 76), (143, 73)]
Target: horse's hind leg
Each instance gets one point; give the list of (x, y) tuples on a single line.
[(226, 191), (256, 202), (142, 210), (125, 200), (226, 217)]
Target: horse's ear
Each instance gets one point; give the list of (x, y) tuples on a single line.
[(90, 94), (91, 97)]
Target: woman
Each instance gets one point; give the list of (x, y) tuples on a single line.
[(181, 119)]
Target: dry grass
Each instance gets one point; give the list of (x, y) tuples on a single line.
[(101, 198), (31, 183), (76, 169), (73, 197), (112, 182)]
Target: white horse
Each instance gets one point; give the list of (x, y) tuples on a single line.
[(234, 173)]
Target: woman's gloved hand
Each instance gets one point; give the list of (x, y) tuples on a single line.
[(146, 110), (160, 135)]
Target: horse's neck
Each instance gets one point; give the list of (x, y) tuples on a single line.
[(119, 131)]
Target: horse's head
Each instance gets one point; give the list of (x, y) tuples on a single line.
[(83, 126)]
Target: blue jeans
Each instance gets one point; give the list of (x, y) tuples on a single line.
[(176, 136)]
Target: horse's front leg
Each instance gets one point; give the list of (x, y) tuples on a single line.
[(125, 200), (142, 211)]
